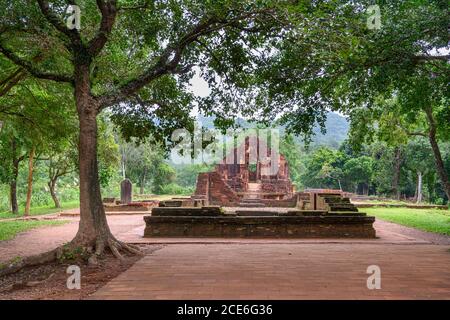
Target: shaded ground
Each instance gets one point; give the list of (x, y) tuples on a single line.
[(49, 281), (43, 239)]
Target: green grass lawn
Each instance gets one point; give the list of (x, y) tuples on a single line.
[(9, 229), (433, 220), (41, 210)]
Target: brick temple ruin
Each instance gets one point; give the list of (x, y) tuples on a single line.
[(251, 196), (251, 174)]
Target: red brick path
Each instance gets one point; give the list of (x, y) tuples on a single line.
[(285, 271)]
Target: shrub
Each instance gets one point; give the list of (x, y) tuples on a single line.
[(174, 188)]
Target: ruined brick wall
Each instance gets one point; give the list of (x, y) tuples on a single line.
[(277, 186), (202, 185), (220, 193), (212, 187)]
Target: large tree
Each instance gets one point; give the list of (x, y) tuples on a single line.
[(129, 53)]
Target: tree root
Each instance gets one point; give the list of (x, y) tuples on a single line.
[(58, 254), (18, 264)]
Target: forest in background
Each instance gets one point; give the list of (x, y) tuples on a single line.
[(402, 172)]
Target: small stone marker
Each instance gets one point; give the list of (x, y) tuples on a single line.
[(126, 191)]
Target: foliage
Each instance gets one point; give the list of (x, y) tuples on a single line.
[(174, 188), (164, 175), (69, 254)]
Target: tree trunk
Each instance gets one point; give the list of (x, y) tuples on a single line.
[(93, 225), (52, 188), (30, 181), (397, 170), (419, 187), (93, 233), (123, 160), (415, 193), (13, 196), (443, 176), (13, 182), (144, 174)]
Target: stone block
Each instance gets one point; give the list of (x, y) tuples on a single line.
[(260, 227)]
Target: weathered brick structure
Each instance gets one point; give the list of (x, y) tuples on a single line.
[(250, 181), (250, 173), (211, 222)]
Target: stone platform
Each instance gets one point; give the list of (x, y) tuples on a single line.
[(200, 222)]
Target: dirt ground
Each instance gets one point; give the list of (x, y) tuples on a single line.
[(39, 240), (49, 281)]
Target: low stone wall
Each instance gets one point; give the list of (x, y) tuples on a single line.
[(181, 211), (410, 206), (136, 206), (260, 226)]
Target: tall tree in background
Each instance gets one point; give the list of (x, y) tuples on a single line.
[(140, 162), (35, 115), (12, 154), (403, 61), (419, 160)]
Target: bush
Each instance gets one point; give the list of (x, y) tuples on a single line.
[(174, 188)]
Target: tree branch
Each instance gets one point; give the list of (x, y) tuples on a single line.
[(31, 69), (162, 67), (170, 58), (137, 7), (431, 58), (73, 34), (11, 81), (109, 11)]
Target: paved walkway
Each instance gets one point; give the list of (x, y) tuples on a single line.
[(284, 271), (414, 265), (43, 239)]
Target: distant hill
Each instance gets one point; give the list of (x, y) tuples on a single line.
[(336, 129)]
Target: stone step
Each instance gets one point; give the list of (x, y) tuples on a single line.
[(346, 213), (255, 213), (251, 204), (343, 207), (250, 200), (337, 200)]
